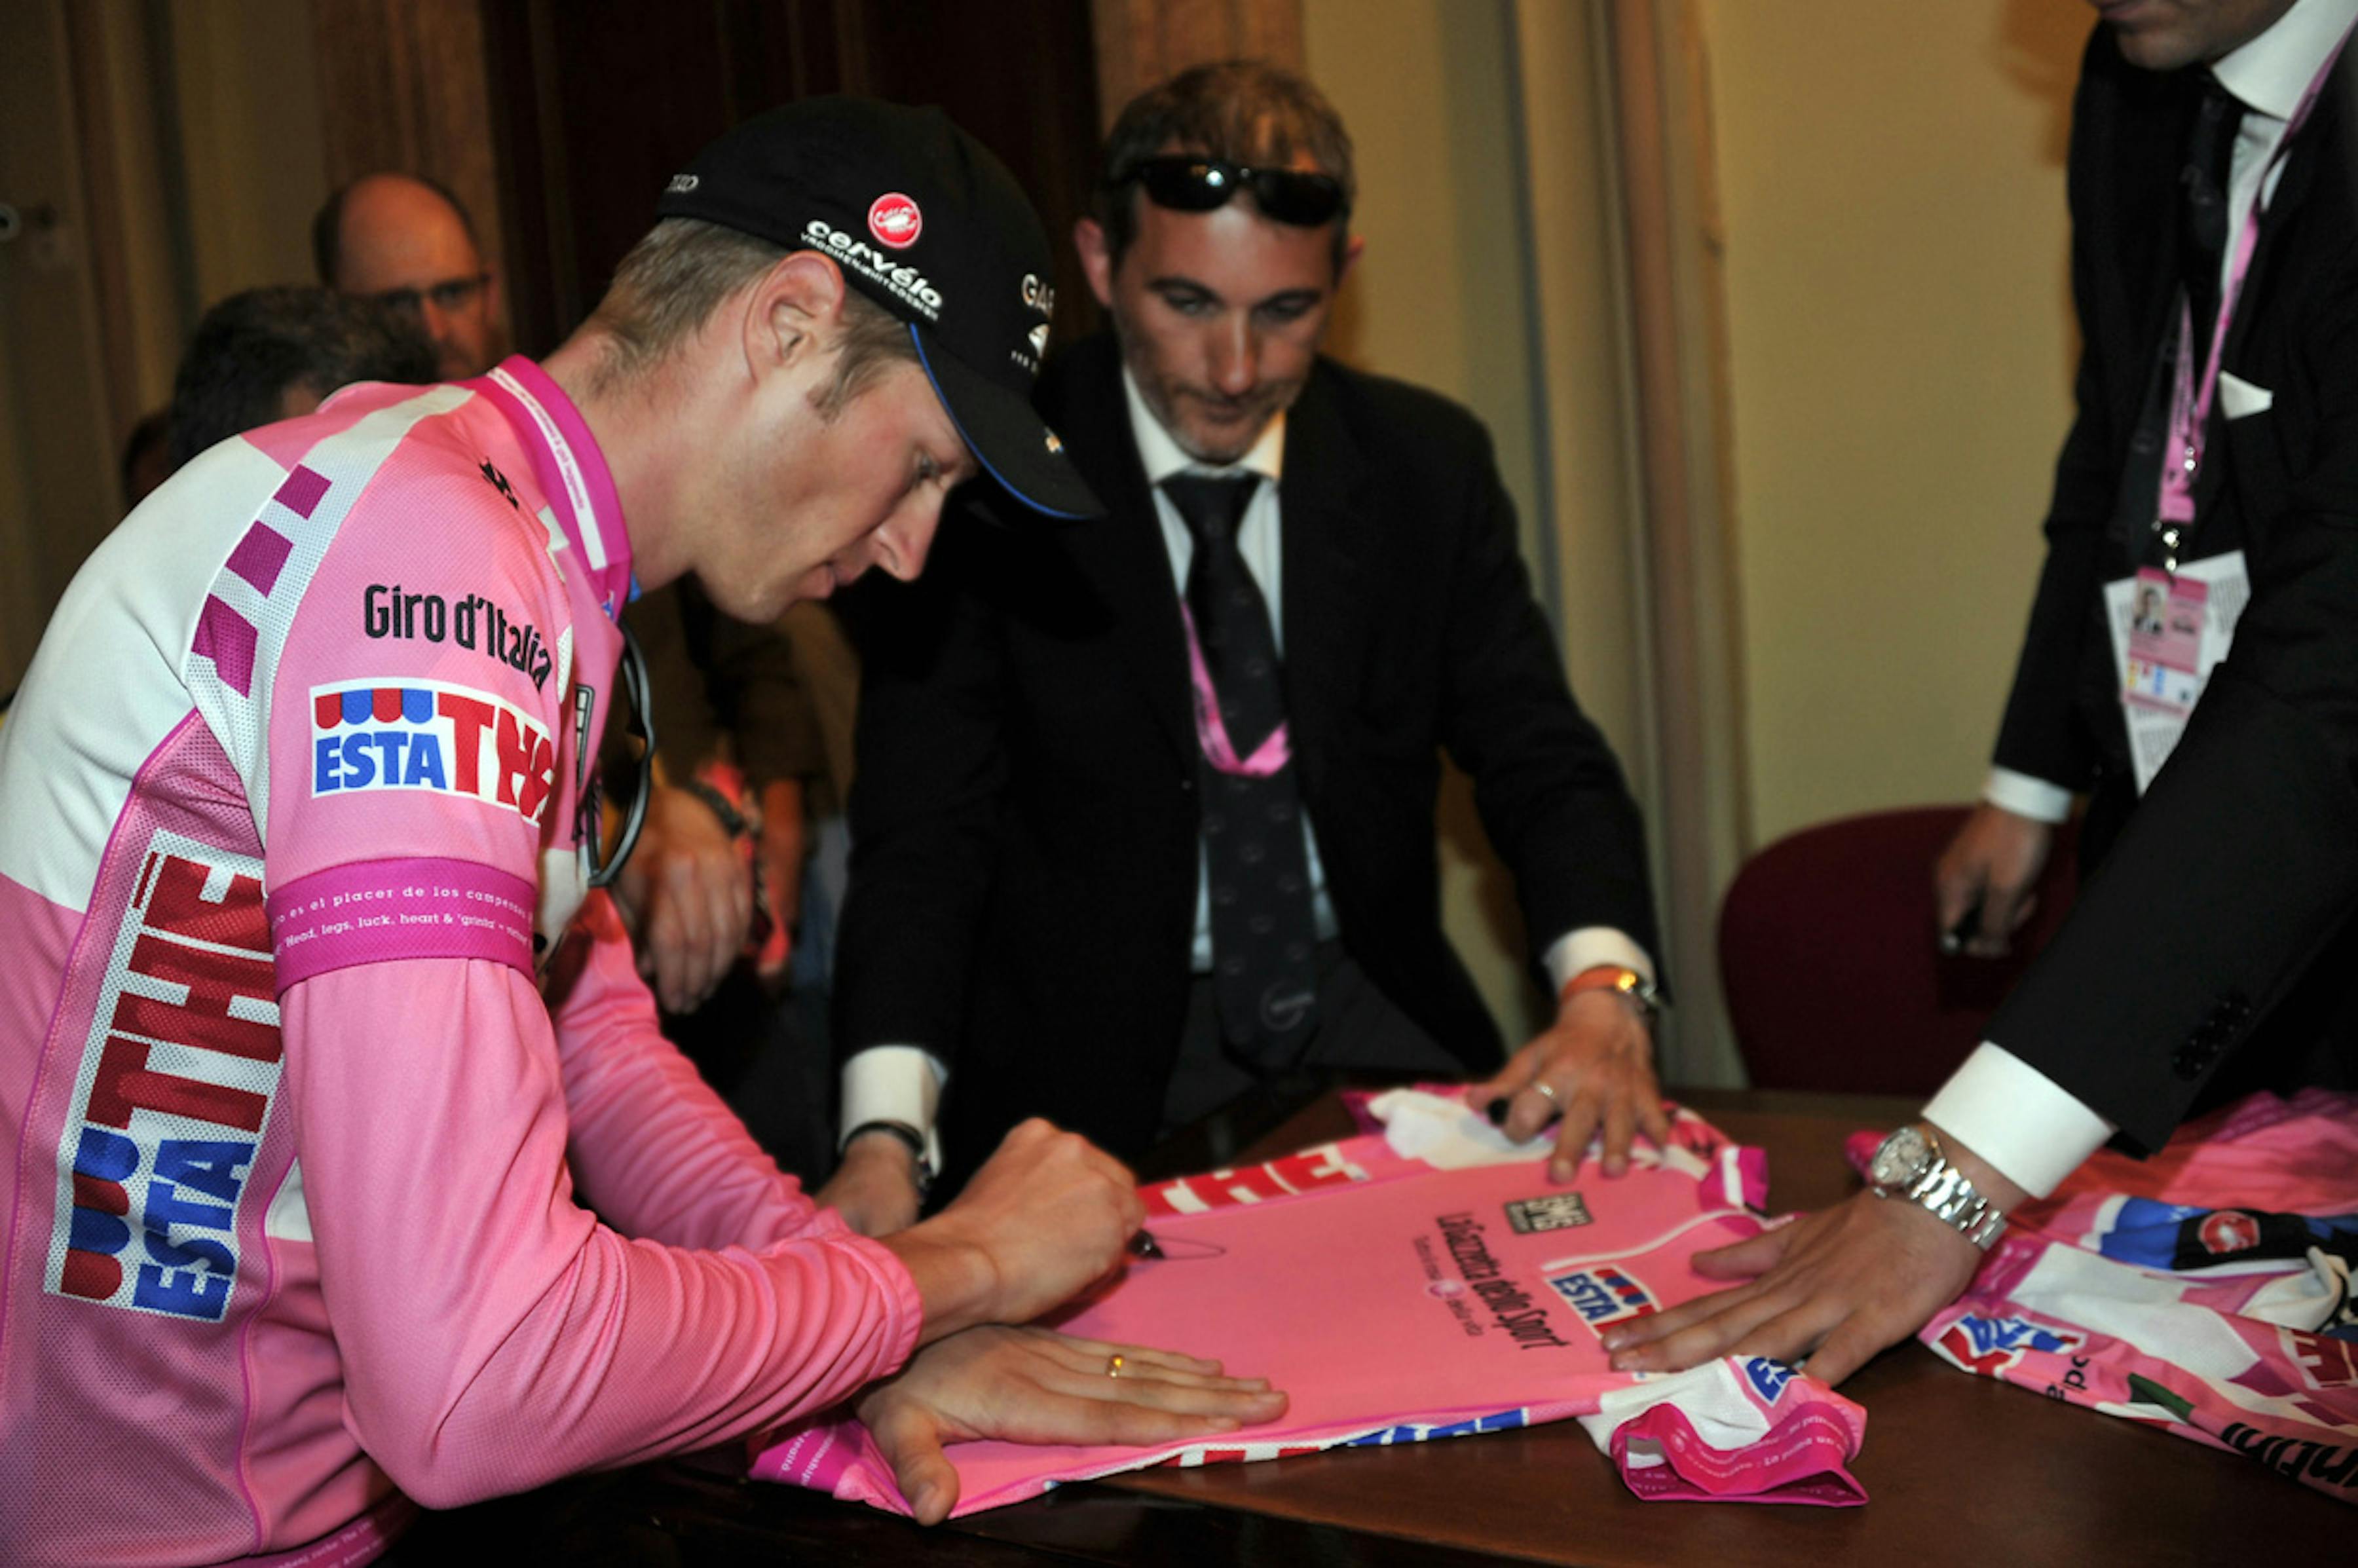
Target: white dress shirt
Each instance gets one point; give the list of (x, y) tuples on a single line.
[(2005, 1111), (904, 1083)]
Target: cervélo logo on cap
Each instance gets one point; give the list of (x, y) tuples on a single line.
[(904, 282), (894, 219)]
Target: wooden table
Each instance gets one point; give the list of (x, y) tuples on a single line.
[(1959, 1470)]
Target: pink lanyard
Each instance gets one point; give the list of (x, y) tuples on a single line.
[(1212, 731), (2190, 400)]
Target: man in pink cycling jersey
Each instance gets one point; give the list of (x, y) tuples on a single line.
[(316, 1021)]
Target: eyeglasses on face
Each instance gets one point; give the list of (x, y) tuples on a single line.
[(449, 297), (1188, 183)]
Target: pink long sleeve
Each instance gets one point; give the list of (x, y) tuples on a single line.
[(492, 1334), (653, 1148)]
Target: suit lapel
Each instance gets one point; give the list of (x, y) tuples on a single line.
[(1325, 545), (1121, 554)]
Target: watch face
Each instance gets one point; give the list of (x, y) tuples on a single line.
[(1900, 1156)]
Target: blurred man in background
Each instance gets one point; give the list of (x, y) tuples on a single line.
[(275, 353), (406, 241)]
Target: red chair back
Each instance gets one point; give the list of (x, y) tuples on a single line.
[(1827, 956)]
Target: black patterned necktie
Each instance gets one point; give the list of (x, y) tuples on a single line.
[(1263, 932), (2203, 215)]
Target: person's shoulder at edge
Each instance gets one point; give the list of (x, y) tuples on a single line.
[(1385, 409)]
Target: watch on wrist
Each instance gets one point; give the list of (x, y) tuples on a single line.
[(922, 1166), (1911, 1164), (1640, 992)]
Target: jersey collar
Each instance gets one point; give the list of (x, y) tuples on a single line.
[(571, 472)]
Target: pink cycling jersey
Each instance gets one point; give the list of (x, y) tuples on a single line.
[(1429, 1282), (309, 1033), (2206, 1291)]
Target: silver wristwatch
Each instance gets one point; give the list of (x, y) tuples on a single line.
[(1911, 1164)]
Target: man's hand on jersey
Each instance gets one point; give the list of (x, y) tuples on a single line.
[(688, 898), (875, 1188), (1597, 1064), (1992, 863), (1049, 1215), (1835, 1287), (1028, 1385)]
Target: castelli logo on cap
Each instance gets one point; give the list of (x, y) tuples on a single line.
[(894, 218)]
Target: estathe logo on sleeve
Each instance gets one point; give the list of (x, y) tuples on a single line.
[(1990, 1345), (429, 735)]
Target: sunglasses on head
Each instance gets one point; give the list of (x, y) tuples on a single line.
[(1187, 183)]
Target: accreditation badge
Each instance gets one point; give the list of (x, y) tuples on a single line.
[(2165, 661), (2168, 631)]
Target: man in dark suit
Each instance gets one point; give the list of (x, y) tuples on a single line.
[(1145, 818), (2215, 452)]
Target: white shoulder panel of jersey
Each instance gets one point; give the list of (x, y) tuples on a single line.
[(116, 673), (104, 689), (340, 470)]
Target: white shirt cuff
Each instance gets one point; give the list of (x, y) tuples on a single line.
[(1588, 947), (2017, 1118), (896, 1083), (2027, 796)]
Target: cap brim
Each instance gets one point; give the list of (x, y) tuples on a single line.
[(1006, 436)]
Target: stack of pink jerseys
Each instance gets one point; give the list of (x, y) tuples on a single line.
[(1424, 1282), (2206, 1291)]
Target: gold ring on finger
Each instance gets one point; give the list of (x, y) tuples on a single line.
[(1114, 1364)]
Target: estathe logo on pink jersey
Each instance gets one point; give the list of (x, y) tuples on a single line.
[(429, 735), (173, 1092), (1605, 1294)]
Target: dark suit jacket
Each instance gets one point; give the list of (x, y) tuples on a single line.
[(2211, 899), (1025, 821)]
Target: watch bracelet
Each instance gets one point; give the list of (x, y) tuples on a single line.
[(1946, 1192)]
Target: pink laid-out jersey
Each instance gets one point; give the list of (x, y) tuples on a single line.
[(2206, 1291), (310, 1030), (1430, 1281)]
